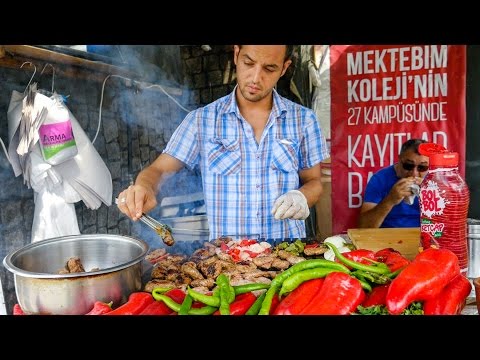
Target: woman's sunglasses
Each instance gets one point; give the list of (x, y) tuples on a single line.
[(410, 167)]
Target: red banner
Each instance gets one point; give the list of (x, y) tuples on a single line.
[(382, 96)]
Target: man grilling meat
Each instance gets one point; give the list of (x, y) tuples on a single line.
[(259, 154)]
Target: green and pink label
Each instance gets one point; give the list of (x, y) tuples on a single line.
[(56, 137)]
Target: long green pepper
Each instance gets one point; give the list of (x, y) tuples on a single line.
[(172, 304), (227, 293), (294, 280), (253, 310), (276, 283), (379, 268)]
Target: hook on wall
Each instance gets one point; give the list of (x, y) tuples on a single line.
[(53, 74), (34, 72)]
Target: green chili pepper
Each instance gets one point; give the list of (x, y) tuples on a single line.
[(205, 310), (276, 283), (394, 274), (294, 280), (227, 293), (223, 282), (365, 285), (253, 310), (161, 289), (379, 268), (172, 304), (242, 289), (211, 300), (186, 305), (375, 278)]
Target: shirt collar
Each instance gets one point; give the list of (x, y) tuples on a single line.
[(279, 106)]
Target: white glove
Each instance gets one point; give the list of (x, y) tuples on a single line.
[(292, 205)]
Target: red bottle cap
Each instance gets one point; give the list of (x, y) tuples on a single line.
[(438, 155)]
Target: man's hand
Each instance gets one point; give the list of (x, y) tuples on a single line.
[(401, 190), (292, 205), (135, 200)]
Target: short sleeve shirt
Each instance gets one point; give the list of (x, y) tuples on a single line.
[(401, 215), (241, 178)]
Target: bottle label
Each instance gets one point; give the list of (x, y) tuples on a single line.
[(55, 138), (432, 201)]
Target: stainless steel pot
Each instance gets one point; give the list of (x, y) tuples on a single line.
[(40, 289), (473, 248)]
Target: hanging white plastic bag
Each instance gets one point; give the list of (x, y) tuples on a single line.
[(57, 141)]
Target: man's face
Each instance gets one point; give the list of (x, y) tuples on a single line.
[(413, 164), (258, 69)]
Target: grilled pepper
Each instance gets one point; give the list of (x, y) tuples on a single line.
[(295, 302), (137, 301), (340, 294), (452, 298), (423, 279)]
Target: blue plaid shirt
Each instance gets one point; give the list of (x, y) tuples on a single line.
[(241, 179)]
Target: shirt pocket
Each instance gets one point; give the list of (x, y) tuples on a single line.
[(224, 156), (284, 156)]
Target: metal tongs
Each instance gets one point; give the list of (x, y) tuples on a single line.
[(163, 230)]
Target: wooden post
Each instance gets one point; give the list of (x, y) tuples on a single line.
[(323, 207)]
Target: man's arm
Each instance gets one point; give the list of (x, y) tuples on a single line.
[(312, 184), (142, 196), (372, 214)]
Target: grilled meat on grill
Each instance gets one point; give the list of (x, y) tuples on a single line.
[(200, 270)]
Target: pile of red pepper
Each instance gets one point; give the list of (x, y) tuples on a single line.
[(357, 282), (382, 282)]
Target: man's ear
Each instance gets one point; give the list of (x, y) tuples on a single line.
[(236, 51), (286, 64)]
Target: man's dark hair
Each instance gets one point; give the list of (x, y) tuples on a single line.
[(288, 52), (411, 144)]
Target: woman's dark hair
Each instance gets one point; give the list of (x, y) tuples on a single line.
[(411, 144)]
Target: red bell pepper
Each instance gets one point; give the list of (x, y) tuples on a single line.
[(17, 310), (176, 294), (295, 301), (100, 308), (377, 296), (137, 301), (241, 304), (423, 279), (362, 256), (275, 303), (451, 300), (392, 258), (156, 308), (340, 294), (160, 308)]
